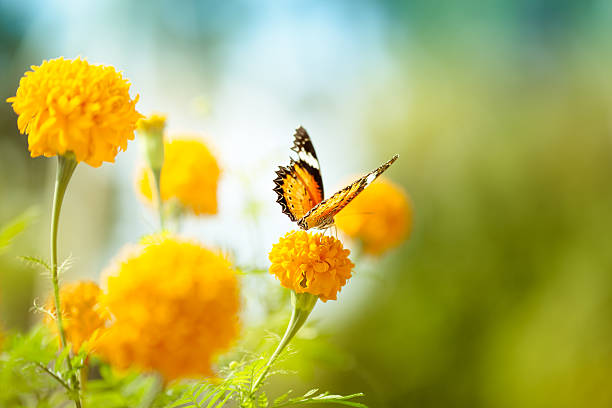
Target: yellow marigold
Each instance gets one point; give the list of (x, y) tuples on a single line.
[(190, 174), (81, 312), (311, 263), (380, 217), (154, 123), (72, 106), (174, 306)]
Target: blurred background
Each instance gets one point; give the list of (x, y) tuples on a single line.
[(500, 110)]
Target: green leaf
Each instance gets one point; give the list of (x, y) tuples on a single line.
[(65, 265), (324, 398), (14, 227), (36, 262), (311, 392), (117, 389), (217, 395), (236, 387), (282, 398), (20, 374), (262, 400)]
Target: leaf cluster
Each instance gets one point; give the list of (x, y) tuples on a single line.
[(236, 391)]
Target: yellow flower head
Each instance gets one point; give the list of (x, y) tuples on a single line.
[(380, 217), (81, 312), (154, 123), (151, 135), (311, 263), (174, 306), (190, 174), (72, 106)]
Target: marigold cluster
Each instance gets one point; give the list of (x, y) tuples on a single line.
[(83, 317), (380, 217), (72, 106), (311, 263), (174, 307), (190, 174)]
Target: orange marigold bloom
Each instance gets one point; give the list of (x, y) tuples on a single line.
[(72, 106), (311, 263), (380, 217), (174, 306), (81, 312), (190, 174)]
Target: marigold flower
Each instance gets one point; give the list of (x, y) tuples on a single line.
[(81, 312), (311, 263), (154, 123), (151, 131), (72, 106), (190, 174), (380, 217), (174, 306)]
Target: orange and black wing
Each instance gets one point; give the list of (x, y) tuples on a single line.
[(322, 215), (299, 186)]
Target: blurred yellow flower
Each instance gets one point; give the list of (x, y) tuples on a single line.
[(380, 217), (311, 263), (154, 123), (190, 174), (72, 106), (81, 312), (174, 306), (151, 135)]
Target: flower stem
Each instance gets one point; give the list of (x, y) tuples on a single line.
[(303, 303), (65, 168), (160, 203)]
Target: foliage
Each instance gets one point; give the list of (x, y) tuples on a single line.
[(15, 226), (33, 375), (237, 388)]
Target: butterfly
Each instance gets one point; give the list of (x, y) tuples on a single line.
[(300, 187)]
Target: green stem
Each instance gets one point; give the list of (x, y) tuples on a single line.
[(65, 168), (160, 203), (54, 376), (303, 303)]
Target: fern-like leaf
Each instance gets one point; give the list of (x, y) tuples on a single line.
[(65, 265), (324, 398), (36, 262)]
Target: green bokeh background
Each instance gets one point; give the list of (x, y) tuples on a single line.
[(502, 114)]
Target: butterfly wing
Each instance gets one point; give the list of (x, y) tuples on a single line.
[(299, 186), (322, 214)]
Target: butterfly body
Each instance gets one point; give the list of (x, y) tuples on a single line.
[(300, 187)]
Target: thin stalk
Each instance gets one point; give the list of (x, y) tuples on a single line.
[(65, 168), (303, 304), (55, 377), (160, 203)]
